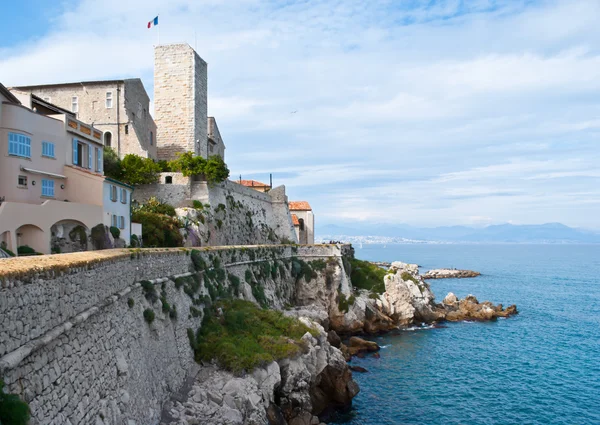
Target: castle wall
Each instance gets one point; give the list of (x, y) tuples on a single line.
[(180, 100), (98, 361)]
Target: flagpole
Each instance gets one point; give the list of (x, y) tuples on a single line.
[(158, 31)]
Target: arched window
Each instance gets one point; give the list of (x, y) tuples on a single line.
[(151, 139), (301, 222), (108, 139), (169, 180)]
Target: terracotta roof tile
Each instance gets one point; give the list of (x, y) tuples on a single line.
[(299, 206), (295, 220), (251, 183)]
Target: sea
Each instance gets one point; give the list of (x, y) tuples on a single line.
[(539, 367)]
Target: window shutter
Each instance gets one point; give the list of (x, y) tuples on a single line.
[(90, 156), (28, 147), (75, 152), (100, 163)]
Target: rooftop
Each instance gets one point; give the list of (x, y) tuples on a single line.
[(251, 183), (299, 206), (295, 220)]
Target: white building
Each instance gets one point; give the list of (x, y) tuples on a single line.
[(304, 221), (116, 199)]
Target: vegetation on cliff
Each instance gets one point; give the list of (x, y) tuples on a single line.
[(132, 169), (214, 168), (241, 336), (13, 411), (365, 275), (160, 227)]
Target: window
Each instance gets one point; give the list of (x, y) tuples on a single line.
[(108, 139), (109, 99), (113, 193), (301, 222), (114, 220), (169, 180), (48, 188), (75, 104), (48, 149), (19, 145), (90, 156), (140, 110), (151, 138), (22, 180), (99, 160), (126, 129), (121, 222), (123, 196)]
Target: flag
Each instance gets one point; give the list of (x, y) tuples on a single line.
[(153, 22)]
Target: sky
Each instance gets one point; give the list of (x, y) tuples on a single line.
[(428, 113)]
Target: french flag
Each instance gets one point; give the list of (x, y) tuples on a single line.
[(153, 22)]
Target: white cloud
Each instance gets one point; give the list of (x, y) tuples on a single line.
[(427, 112)]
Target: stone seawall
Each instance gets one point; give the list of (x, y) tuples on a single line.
[(74, 340)]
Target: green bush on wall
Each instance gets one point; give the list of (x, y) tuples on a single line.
[(13, 411), (115, 232)]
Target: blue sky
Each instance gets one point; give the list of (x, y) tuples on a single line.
[(422, 112)]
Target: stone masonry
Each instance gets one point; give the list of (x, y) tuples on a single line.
[(180, 100), (74, 342), (127, 125)]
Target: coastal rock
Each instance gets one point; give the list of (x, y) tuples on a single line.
[(291, 391), (470, 308), (358, 345), (450, 299), (450, 273)]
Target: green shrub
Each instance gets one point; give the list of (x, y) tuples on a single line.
[(158, 230), (166, 307), (165, 166), (115, 232), (13, 410), (173, 313), (188, 164), (112, 164), (407, 276), (137, 170), (258, 292), (156, 206), (248, 276), (25, 250), (245, 336), (197, 204), (78, 232), (343, 305), (198, 261), (5, 249), (215, 169), (365, 275), (195, 312), (130, 302), (149, 291), (149, 315), (134, 241)]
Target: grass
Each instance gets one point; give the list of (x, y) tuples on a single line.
[(365, 275), (245, 337), (13, 411)]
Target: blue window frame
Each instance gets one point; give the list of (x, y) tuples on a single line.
[(47, 187), (48, 149), (19, 145)]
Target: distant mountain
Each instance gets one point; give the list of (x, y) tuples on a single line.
[(549, 233)]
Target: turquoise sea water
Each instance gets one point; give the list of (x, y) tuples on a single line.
[(540, 367)]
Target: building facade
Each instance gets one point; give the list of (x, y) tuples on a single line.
[(119, 108), (116, 199), (304, 221), (50, 175), (180, 100)]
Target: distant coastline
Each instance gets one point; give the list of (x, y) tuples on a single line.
[(382, 240)]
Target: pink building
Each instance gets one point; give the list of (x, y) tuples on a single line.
[(51, 177)]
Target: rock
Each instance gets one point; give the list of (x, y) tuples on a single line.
[(358, 345), (450, 273), (274, 415), (450, 299), (334, 339), (358, 369)]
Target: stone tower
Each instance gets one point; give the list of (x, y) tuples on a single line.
[(180, 100)]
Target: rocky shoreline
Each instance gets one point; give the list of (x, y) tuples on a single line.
[(300, 390), (450, 273)]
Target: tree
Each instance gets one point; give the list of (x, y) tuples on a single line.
[(138, 170), (188, 164), (112, 164), (215, 169)]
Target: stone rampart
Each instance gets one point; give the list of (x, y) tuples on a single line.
[(75, 343)]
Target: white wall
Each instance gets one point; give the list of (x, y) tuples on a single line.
[(117, 208)]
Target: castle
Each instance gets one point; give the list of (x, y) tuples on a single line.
[(118, 114)]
